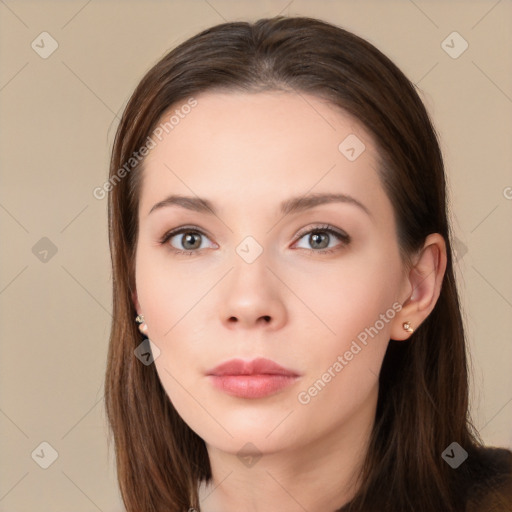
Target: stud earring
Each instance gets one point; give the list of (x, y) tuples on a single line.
[(143, 328), (407, 327)]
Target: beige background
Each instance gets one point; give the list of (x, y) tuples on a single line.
[(58, 121)]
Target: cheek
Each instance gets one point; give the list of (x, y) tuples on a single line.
[(169, 293), (357, 307), (353, 297), (342, 371)]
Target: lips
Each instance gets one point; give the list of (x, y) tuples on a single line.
[(260, 366), (258, 378)]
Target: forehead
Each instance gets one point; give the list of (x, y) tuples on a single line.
[(237, 147)]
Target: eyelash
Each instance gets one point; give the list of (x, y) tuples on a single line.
[(325, 228)]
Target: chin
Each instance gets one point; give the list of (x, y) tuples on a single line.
[(268, 430)]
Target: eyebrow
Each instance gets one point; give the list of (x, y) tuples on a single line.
[(289, 206)]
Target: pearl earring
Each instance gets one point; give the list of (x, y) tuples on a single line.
[(143, 328), (407, 327)]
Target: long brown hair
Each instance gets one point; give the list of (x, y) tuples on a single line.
[(423, 395)]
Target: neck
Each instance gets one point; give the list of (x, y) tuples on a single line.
[(318, 476)]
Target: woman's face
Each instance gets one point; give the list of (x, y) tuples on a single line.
[(257, 283)]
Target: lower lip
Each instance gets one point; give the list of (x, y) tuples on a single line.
[(252, 386)]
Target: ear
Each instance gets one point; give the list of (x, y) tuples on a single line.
[(423, 286)]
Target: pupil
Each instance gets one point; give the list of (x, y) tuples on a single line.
[(316, 237), (187, 239)]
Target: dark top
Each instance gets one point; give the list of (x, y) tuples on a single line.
[(491, 482), (487, 482)]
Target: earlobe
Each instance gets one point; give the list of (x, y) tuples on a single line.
[(139, 319), (424, 280), (141, 322)]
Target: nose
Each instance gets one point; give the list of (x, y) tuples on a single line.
[(252, 296)]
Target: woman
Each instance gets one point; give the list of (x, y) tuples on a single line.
[(278, 230)]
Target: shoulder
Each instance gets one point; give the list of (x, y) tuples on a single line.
[(489, 480)]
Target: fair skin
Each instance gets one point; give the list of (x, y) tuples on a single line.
[(294, 304)]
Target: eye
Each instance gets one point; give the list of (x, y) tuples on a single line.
[(320, 237), (188, 237)]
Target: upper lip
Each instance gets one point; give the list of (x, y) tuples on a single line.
[(257, 366)]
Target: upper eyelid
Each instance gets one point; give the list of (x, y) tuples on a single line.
[(323, 227)]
